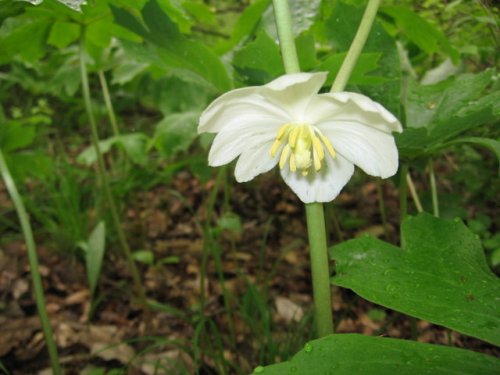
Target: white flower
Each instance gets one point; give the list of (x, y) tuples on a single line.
[(315, 138)]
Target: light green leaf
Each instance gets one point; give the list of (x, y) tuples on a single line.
[(144, 256), (94, 255), (15, 135), (440, 275), (349, 354), (176, 132), (134, 145), (62, 34)]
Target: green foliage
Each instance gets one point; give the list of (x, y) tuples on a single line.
[(441, 112), (439, 275), (346, 354), (168, 48), (340, 27), (94, 255)]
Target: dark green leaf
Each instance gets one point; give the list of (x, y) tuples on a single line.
[(245, 25), (348, 354), (445, 110), (170, 49), (440, 275), (341, 27), (260, 60), (367, 62), (427, 37)]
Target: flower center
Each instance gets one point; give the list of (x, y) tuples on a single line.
[(303, 147)]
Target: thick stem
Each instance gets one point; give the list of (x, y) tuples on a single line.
[(356, 47), (285, 34), (314, 211), (33, 261), (101, 170), (319, 268), (435, 200)]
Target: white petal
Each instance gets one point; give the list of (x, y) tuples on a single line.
[(254, 161), (372, 150), (230, 143), (351, 107), (292, 92), (241, 106), (322, 186)]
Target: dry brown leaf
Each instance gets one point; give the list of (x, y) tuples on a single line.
[(288, 310)]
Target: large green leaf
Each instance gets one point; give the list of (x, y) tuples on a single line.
[(440, 275), (167, 47), (443, 111), (348, 354)]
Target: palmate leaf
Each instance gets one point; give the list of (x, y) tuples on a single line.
[(348, 354), (440, 275), (437, 114), (166, 47)]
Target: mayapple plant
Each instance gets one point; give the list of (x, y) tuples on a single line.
[(316, 139)]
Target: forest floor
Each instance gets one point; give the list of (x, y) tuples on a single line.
[(268, 255)]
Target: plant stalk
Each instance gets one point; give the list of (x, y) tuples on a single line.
[(283, 20), (108, 103), (435, 199), (319, 269), (33, 261), (102, 174), (356, 47), (314, 211)]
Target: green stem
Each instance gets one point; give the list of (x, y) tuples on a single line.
[(403, 192), (33, 261), (319, 269), (435, 200), (101, 170), (108, 103), (314, 211), (381, 207), (356, 47), (283, 20)]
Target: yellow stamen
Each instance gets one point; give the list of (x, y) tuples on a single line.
[(328, 145), (284, 156), (293, 166), (304, 147)]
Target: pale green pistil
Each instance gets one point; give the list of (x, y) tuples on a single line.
[(303, 147)]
